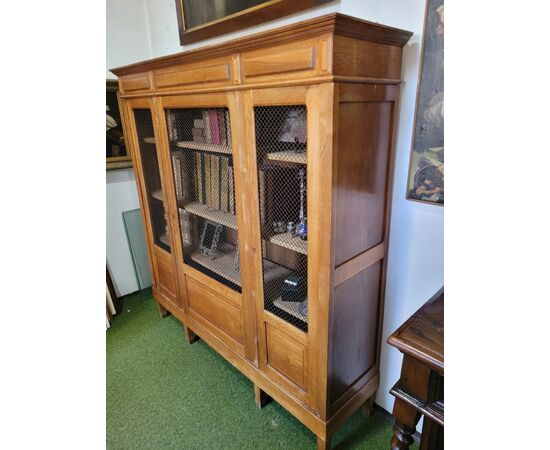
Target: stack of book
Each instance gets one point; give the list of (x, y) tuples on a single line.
[(212, 128), (214, 182)]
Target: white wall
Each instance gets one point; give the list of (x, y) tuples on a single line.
[(415, 261), (128, 41), (121, 196)]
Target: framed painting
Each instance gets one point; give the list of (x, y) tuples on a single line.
[(203, 19), (426, 170), (117, 155)]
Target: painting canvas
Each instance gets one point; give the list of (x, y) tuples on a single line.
[(426, 171), (204, 19)]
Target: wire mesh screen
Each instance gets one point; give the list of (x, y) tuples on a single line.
[(202, 162), (151, 173), (281, 142)]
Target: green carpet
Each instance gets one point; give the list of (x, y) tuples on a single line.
[(164, 393)]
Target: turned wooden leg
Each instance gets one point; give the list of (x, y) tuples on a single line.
[(260, 397), (163, 312), (323, 444), (368, 407), (405, 419), (191, 337)]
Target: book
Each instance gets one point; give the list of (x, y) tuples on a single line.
[(231, 189), (198, 132), (224, 184), (199, 139), (199, 123), (208, 180), (206, 118), (176, 165), (215, 179), (223, 127), (200, 174), (214, 127)]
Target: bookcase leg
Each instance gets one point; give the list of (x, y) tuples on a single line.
[(163, 312), (368, 407), (323, 444), (260, 397), (191, 337)]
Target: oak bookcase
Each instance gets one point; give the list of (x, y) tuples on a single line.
[(231, 142)]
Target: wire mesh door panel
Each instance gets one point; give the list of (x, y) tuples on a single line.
[(151, 174), (281, 148), (202, 164)]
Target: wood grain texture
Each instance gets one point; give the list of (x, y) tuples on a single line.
[(324, 375), (335, 24), (361, 178), (354, 328), (422, 334)]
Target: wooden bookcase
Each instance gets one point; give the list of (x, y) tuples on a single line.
[(233, 141)]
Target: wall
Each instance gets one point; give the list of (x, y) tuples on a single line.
[(415, 261), (127, 41)]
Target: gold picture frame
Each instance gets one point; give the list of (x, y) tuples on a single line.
[(199, 20), (117, 155)]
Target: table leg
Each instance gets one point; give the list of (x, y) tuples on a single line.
[(405, 419)]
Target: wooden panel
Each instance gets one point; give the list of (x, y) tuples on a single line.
[(216, 309), (361, 177), (366, 59), (209, 72), (354, 329), (287, 61), (166, 275), (140, 82), (286, 355)]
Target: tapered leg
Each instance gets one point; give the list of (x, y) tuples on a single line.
[(191, 337), (323, 444), (368, 407), (405, 419), (163, 312), (260, 397)]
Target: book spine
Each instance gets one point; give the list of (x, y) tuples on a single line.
[(214, 127), (198, 132), (225, 184), (206, 118), (215, 179), (231, 191), (176, 165), (201, 172), (199, 123), (208, 180), (222, 126)]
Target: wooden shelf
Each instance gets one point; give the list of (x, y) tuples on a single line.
[(291, 242), (149, 140), (164, 239), (158, 195), (290, 307), (215, 148), (224, 264), (291, 157), (215, 215)]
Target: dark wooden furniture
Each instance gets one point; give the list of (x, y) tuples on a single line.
[(310, 105), (419, 391)]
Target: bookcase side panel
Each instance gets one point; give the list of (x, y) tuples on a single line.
[(365, 122)]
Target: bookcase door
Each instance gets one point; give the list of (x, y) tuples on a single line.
[(140, 118), (207, 178)]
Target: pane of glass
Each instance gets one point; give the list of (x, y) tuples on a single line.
[(202, 161), (133, 224), (281, 143), (151, 173)]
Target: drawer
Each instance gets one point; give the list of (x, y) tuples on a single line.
[(136, 83), (220, 312), (285, 61), (286, 355), (212, 73)]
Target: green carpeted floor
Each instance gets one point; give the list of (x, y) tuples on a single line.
[(164, 393)]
